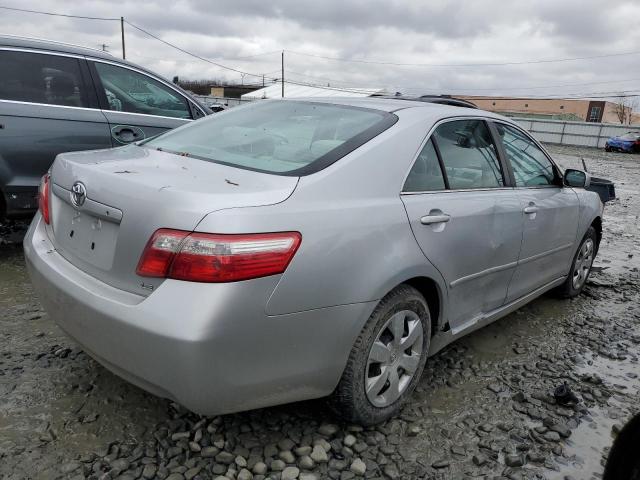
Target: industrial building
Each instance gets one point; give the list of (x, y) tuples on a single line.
[(556, 109)]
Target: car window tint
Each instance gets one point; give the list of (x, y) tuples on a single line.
[(275, 136), (469, 155), (425, 175), (530, 165), (129, 91), (40, 78)]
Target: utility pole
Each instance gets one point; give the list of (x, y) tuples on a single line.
[(263, 80), (122, 32), (105, 47), (282, 79)]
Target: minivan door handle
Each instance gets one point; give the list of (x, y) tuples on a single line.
[(434, 218), (530, 209)]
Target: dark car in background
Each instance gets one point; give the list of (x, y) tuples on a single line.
[(56, 98), (629, 143)]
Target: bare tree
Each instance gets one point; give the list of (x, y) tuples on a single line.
[(633, 105), (623, 108)]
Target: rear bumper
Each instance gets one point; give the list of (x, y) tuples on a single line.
[(210, 347)]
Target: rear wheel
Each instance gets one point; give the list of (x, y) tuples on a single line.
[(581, 266), (607, 148), (386, 360)]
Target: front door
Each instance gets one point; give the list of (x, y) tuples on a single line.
[(137, 105), (466, 221), (550, 213)]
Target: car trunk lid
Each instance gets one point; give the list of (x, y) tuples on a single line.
[(126, 194)]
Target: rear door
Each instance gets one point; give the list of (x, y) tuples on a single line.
[(550, 212), (465, 217), (47, 106), (137, 105)]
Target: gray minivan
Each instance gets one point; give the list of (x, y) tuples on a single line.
[(56, 97)]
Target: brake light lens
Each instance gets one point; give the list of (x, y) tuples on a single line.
[(43, 198), (205, 257)]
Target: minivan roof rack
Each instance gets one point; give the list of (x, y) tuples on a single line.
[(56, 42)]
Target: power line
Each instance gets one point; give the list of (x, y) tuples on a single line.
[(529, 62), (57, 14), (219, 65)]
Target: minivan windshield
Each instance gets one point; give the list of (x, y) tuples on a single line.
[(274, 136)]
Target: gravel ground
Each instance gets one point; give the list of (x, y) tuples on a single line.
[(484, 408)]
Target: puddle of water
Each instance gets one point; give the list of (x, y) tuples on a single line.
[(587, 444)]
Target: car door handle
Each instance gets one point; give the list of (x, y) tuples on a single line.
[(530, 209), (126, 134), (433, 219)]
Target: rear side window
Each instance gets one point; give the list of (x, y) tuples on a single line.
[(530, 165), (41, 78), (468, 154), (425, 175), (133, 92), (274, 136)]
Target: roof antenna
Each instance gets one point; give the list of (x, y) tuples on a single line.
[(584, 165)]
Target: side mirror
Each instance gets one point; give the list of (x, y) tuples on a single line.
[(576, 178)]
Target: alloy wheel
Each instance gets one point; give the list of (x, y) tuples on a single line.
[(583, 263)]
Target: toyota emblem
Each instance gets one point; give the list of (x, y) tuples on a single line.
[(78, 194)]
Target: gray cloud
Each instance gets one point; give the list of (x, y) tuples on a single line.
[(408, 31)]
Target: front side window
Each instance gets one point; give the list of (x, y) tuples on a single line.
[(274, 136), (425, 175), (468, 154), (41, 78), (133, 92), (530, 165)]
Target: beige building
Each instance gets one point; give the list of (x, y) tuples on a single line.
[(558, 109)]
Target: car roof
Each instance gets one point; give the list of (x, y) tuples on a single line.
[(389, 104), (54, 46)]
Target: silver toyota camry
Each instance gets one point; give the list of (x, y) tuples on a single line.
[(294, 249)]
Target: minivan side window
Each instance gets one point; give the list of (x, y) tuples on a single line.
[(468, 154), (41, 78), (133, 92), (530, 165), (425, 175)]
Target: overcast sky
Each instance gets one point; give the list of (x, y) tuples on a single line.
[(425, 32)]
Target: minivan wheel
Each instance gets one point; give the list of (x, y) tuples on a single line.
[(581, 266), (387, 359)]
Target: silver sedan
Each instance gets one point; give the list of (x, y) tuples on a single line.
[(292, 249)]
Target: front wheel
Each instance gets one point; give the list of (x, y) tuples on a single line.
[(581, 266), (386, 360)]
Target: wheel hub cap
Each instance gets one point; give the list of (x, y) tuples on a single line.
[(393, 358)]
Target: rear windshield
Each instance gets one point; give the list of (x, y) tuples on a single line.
[(274, 136)]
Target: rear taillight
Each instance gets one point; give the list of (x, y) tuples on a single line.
[(43, 198), (206, 257)]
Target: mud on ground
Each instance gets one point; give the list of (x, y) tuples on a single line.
[(483, 410)]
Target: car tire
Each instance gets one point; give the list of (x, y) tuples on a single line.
[(581, 266), (607, 149), (369, 391)]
